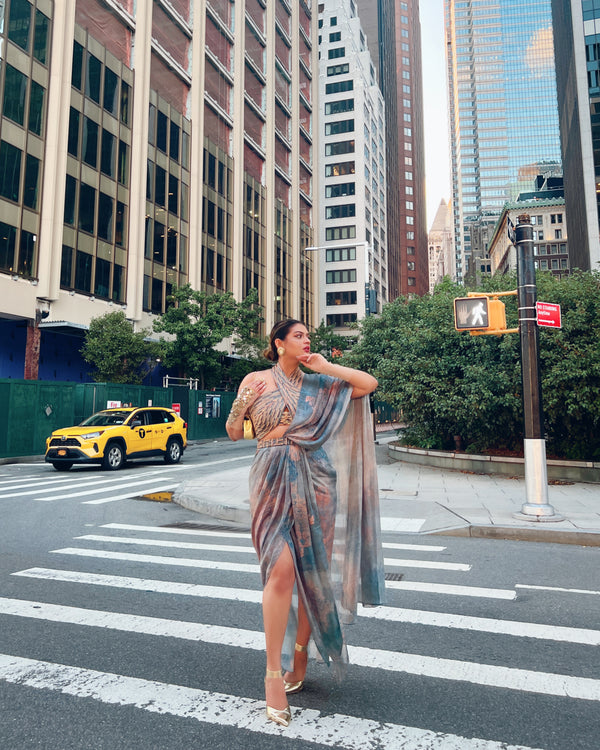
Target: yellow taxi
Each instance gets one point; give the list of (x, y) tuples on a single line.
[(113, 436)]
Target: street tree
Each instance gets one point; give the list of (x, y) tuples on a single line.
[(324, 340), (117, 353), (197, 323)]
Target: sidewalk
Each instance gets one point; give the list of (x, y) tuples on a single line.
[(424, 500)]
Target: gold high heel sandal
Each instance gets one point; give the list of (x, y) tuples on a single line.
[(295, 687), (281, 716)]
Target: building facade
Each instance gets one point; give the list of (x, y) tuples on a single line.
[(577, 44), (551, 249), (353, 221), (149, 144), (441, 246), (503, 113), (394, 37)]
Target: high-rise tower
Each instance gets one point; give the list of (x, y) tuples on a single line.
[(503, 112)]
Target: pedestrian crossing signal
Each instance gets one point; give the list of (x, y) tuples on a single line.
[(479, 315)]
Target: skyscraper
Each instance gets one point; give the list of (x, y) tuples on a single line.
[(353, 223), (147, 145), (577, 42), (503, 112), (394, 37)]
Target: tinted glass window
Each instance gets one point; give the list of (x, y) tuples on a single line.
[(161, 131), (105, 217), (32, 172), (93, 77), (107, 153), (19, 22), (65, 266), (36, 108), (90, 142), (102, 280), (10, 171), (40, 39), (77, 66), (124, 103), (111, 88), (120, 224), (87, 208), (27, 253), (159, 193), (174, 142), (123, 164), (118, 293), (7, 246), (83, 272), (73, 140), (15, 88), (70, 197), (173, 194)]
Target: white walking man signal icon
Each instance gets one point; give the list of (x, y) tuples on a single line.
[(477, 313)]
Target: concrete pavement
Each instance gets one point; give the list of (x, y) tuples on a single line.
[(424, 500)]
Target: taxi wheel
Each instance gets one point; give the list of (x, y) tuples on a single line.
[(114, 457), (62, 465), (174, 451)]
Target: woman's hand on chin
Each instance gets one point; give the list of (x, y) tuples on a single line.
[(314, 362)]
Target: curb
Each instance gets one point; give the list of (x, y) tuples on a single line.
[(220, 511), (520, 534)]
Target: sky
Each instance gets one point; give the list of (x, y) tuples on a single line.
[(435, 107)]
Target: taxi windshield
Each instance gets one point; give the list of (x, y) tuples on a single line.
[(106, 419)]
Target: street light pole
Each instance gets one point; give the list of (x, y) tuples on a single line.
[(537, 507)]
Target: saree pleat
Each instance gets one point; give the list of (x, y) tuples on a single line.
[(315, 491)]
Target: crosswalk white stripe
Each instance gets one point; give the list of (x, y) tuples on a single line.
[(168, 543), (396, 562), (390, 523), (133, 493), (141, 486), (308, 725), (176, 531), (389, 614), (555, 588), (241, 567), (415, 547), (184, 562), (87, 481), (545, 683), (443, 588)]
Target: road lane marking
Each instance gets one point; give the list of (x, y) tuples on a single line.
[(488, 675), (141, 486), (129, 495), (168, 530), (554, 588), (443, 588), (309, 725), (416, 547), (389, 523), (395, 562), (83, 481), (168, 543), (519, 629)]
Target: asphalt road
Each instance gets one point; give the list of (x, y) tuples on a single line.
[(130, 624)]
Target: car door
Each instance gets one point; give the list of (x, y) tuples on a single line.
[(139, 438), (162, 426)]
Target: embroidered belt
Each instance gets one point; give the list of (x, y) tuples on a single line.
[(272, 442)]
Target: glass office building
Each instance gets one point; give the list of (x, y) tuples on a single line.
[(503, 113)]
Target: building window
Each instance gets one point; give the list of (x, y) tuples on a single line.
[(344, 211), (341, 321), (341, 298), (339, 86), (558, 234), (93, 78), (343, 126), (19, 22), (87, 208), (343, 105), (30, 191), (336, 36), (10, 171), (412, 281), (15, 89), (36, 108), (336, 254), (340, 147), (341, 276), (338, 70), (339, 169), (340, 191), (336, 52), (340, 233)]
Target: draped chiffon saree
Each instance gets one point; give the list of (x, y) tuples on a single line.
[(315, 490)]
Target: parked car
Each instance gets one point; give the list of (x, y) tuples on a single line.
[(112, 436)]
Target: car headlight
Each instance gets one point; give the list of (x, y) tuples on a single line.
[(91, 435)]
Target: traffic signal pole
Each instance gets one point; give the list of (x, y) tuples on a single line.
[(536, 508)]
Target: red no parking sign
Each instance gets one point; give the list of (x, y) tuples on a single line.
[(548, 315)]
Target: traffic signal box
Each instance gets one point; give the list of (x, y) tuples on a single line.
[(480, 315)]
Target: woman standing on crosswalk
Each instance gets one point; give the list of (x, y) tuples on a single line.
[(314, 504)]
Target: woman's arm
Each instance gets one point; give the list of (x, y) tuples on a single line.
[(362, 383), (251, 387)]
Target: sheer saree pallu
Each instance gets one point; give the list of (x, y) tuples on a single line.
[(315, 490)]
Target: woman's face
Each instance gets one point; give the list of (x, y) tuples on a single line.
[(297, 342)]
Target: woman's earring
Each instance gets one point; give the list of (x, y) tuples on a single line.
[(280, 351)]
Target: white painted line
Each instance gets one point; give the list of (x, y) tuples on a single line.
[(141, 486), (249, 457), (168, 543), (144, 584), (388, 614), (443, 588), (167, 530), (396, 562), (129, 495), (555, 588), (544, 683), (308, 725), (86, 481), (389, 523), (416, 547), (182, 562)]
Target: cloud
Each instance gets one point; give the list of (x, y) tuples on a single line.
[(539, 55)]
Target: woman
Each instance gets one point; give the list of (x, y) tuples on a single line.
[(308, 521)]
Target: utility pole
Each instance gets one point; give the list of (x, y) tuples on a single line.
[(536, 507)]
